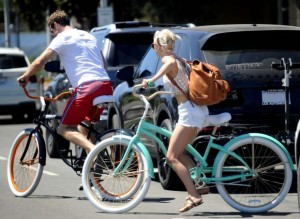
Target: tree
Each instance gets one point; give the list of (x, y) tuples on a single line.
[(28, 13), (34, 12), (204, 12)]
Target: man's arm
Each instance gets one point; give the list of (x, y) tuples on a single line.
[(36, 66)]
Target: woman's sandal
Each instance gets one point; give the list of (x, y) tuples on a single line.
[(189, 204)]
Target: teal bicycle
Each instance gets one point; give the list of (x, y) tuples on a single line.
[(252, 172)]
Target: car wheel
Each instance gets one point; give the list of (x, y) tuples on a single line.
[(167, 176), (50, 144)]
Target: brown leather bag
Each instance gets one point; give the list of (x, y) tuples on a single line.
[(206, 86)]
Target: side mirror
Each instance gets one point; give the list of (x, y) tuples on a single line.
[(125, 74), (54, 66)]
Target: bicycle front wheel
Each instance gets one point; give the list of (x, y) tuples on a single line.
[(24, 171), (269, 177), (115, 193)]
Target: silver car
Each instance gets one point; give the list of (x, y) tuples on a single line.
[(13, 63)]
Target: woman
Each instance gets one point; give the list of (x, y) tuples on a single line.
[(191, 116)]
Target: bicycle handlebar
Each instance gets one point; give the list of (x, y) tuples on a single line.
[(147, 97), (46, 98)]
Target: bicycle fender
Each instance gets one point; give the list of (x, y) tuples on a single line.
[(42, 145), (144, 151), (259, 135)]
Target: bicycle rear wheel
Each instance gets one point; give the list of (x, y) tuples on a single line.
[(123, 191), (24, 174), (268, 181)]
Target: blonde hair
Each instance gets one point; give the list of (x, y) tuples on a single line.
[(166, 39)]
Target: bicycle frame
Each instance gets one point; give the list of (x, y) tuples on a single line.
[(42, 121)]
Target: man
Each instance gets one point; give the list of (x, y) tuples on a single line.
[(85, 67)]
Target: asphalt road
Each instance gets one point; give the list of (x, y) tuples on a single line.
[(57, 196)]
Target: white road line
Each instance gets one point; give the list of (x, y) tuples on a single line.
[(50, 173), (3, 158), (44, 171)]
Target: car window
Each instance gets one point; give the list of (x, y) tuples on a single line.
[(255, 51), (148, 65), (12, 61), (128, 49), (250, 59)]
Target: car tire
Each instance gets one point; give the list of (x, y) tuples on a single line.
[(50, 144), (166, 175)]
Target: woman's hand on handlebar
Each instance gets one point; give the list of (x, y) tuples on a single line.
[(147, 83)]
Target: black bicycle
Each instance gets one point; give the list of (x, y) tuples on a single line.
[(27, 156)]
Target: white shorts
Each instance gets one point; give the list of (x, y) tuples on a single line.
[(192, 116)]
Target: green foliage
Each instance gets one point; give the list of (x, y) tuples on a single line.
[(199, 12)]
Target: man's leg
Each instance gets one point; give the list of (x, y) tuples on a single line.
[(80, 106), (71, 133)]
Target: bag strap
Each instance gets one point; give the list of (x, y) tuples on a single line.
[(184, 64), (175, 83)]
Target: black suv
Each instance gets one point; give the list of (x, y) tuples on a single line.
[(122, 43), (244, 54)]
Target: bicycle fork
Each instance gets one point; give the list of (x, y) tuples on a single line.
[(39, 153)]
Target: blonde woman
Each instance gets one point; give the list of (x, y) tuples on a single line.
[(191, 116)]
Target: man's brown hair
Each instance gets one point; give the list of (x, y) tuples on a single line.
[(59, 17)]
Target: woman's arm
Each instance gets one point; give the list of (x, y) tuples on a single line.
[(169, 67)]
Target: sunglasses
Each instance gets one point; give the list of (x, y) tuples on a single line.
[(152, 45)]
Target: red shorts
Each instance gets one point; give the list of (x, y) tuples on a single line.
[(80, 105)]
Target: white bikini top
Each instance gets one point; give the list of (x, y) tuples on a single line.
[(181, 79)]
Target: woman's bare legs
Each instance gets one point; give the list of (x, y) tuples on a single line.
[(180, 161)]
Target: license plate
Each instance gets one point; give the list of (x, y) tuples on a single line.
[(273, 97)]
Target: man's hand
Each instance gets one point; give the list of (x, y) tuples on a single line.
[(22, 80)]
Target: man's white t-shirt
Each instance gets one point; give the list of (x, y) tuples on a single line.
[(80, 54)]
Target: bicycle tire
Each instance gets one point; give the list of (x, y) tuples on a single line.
[(115, 194), (23, 178), (269, 184)]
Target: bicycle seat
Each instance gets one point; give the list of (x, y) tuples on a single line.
[(218, 119), (103, 100)]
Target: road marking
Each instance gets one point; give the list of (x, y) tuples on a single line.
[(3, 158), (44, 171), (50, 173)]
